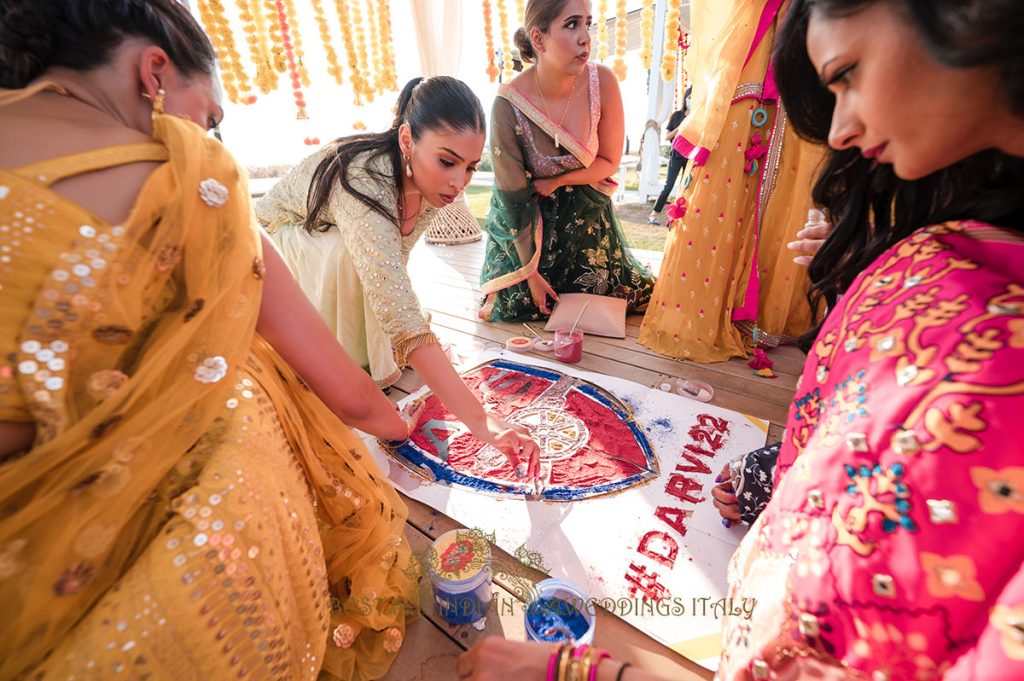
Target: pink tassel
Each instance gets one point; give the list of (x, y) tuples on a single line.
[(761, 365)]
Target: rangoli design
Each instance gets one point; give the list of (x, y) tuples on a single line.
[(590, 443)]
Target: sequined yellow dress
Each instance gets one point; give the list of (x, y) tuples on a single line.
[(354, 271), (189, 510)]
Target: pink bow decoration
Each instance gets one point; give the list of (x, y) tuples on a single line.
[(677, 210)]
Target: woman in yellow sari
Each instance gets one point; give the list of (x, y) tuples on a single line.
[(728, 282), (177, 501)]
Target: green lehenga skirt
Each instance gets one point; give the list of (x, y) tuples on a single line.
[(583, 250)]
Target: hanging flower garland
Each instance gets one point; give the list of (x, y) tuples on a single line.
[(266, 75), (251, 37), (672, 29), (366, 82), (681, 81), (492, 70), (647, 34), (390, 81), (351, 56), (277, 56), (621, 20), (233, 76), (602, 30), (333, 67), (293, 23), (293, 69), (506, 45), (374, 52)]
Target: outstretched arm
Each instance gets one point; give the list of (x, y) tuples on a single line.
[(290, 323)]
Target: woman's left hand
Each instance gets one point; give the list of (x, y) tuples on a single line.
[(497, 659), (724, 496), (546, 186)]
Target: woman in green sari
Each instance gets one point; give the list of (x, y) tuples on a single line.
[(551, 225)]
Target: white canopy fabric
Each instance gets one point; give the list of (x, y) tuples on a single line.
[(440, 46)]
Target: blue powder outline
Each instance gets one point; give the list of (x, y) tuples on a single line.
[(411, 455)]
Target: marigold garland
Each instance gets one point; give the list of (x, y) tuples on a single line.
[(251, 38), (492, 70), (506, 45), (233, 76), (266, 75), (366, 88), (621, 29), (293, 68), (293, 23), (333, 67), (647, 33), (278, 60), (351, 56), (388, 57), (520, 12), (602, 30), (375, 53), (672, 29)]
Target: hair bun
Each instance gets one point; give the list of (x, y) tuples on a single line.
[(26, 41), (522, 42)]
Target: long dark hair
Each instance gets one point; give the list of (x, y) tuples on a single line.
[(426, 104), (81, 34), (869, 207)]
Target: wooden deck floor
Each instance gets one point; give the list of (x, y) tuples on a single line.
[(446, 280)]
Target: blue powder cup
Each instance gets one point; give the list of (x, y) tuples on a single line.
[(560, 612), (460, 570)]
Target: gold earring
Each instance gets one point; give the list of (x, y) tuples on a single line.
[(158, 101), (408, 166)]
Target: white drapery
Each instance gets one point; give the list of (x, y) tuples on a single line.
[(440, 46)]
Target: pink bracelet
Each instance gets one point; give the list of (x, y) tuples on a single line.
[(553, 663), (600, 655), (579, 650)]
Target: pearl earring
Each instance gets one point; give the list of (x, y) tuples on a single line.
[(408, 166)]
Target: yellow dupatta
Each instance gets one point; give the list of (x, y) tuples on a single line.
[(167, 309)]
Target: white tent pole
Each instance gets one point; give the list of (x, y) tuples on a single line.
[(650, 183)]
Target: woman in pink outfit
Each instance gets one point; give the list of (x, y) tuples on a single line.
[(890, 546)]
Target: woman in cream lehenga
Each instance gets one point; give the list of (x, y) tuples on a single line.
[(177, 501)]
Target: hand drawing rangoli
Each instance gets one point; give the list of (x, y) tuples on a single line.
[(590, 442)]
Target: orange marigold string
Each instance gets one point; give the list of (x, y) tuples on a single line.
[(351, 56), (277, 58), (235, 81), (286, 40), (384, 18), (621, 29), (668, 57), (506, 43), (266, 76), (647, 33), (251, 38), (365, 88), (333, 67), (293, 25), (602, 30), (492, 70), (375, 52)]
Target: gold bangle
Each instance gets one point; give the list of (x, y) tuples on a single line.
[(574, 674), (563, 661)]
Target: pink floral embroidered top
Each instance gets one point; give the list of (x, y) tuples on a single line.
[(891, 547)]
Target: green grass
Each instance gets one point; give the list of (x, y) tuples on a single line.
[(633, 219)]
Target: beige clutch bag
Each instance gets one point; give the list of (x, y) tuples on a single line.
[(604, 316)]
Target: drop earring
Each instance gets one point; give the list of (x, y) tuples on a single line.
[(157, 101), (408, 166)]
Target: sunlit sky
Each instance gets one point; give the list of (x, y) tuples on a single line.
[(267, 132)]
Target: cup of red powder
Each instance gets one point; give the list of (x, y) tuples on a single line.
[(569, 345)]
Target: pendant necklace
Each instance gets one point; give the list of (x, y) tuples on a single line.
[(543, 101)]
